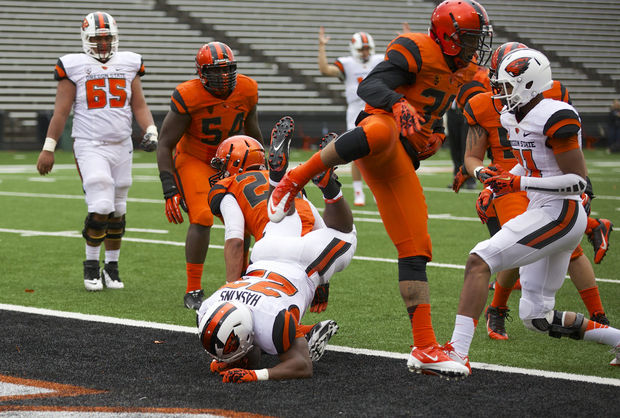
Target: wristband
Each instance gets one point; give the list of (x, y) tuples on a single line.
[(477, 170), (50, 144), (333, 199), (262, 374), (151, 129)]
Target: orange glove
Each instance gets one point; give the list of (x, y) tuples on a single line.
[(174, 201), (461, 176), (482, 204), (407, 118), (434, 142), (238, 376), (504, 183), (319, 302), (483, 173), (220, 366)]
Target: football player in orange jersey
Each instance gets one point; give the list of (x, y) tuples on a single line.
[(486, 132), (203, 112), (406, 95)]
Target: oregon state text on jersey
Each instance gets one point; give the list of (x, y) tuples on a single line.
[(102, 106), (551, 127), (251, 191), (213, 119), (436, 86)]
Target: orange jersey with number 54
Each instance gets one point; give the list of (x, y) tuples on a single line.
[(213, 119)]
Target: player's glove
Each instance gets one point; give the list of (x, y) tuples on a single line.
[(149, 142), (220, 366), (319, 302), (482, 204), (461, 177), (484, 173), (407, 118), (504, 183), (173, 198), (434, 142), (238, 376)]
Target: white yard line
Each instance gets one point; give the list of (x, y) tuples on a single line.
[(341, 349)]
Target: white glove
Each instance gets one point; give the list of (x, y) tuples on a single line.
[(149, 142)]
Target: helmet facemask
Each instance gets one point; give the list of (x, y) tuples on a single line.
[(220, 78)]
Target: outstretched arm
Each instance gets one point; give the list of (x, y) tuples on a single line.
[(324, 67)]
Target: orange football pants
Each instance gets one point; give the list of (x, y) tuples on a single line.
[(390, 175), (194, 176)]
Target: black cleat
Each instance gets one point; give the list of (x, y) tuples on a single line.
[(193, 299)]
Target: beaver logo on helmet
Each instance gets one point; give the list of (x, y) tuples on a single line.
[(518, 66)]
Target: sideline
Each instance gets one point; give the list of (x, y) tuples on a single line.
[(357, 351)]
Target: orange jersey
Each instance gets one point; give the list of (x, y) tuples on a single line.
[(213, 119), (251, 191), (435, 86), (483, 110)]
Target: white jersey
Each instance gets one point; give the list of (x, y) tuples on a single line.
[(285, 277), (529, 141), (354, 72), (102, 107)]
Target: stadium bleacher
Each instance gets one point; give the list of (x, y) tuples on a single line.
[(275, 42)]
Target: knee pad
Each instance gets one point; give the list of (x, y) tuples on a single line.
[(352, 145), (116, 227), (554, 324), (412, 269), (94, 231)]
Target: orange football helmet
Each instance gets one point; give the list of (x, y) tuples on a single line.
[(454, 23), (500, 53), (217, 69), (236, 155)]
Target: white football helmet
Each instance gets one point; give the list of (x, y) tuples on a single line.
[(226, 331), (358, 41), (99, 24), (528, 72)]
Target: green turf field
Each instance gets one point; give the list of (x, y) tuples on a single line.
[(42, 252)]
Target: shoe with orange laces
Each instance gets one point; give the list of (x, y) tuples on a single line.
[(433, 360), (599, 237), (496, 318), (358, 198), (451, 352), (600, 317)]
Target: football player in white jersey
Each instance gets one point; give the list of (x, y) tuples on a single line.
[(102, 86), (545, 135), (351, 69), (262, 310)]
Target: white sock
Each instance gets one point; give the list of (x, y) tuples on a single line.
[(463, 334), (112, 255), (603, 335), (357, 186), (92, 253)]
